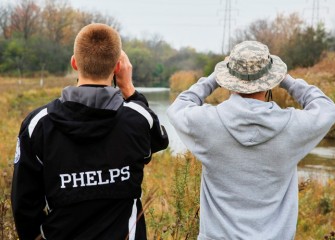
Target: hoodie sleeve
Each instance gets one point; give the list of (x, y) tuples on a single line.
[(159, 136), (183, 109), (27, 195), (138, 97), (318, 113), (159, 139)]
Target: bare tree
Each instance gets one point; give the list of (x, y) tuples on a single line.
[(25, 18), (273, 33), (5, 13), (85, 18), (283, 29), (57, 20)]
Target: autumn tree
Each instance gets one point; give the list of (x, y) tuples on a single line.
[(38, 35), (274, 34), (25, 18), (289, 38), (58, 17), (84, 18)]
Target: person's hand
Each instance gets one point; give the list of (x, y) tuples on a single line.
[(124, 76)]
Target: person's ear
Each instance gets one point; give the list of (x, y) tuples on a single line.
[(73, 63), (117, 67)]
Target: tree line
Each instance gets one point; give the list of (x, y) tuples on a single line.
[(38, 37)]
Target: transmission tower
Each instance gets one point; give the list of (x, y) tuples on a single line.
[(226, 26), (316, 13)]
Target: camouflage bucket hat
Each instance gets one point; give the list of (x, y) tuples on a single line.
[(250, 68)]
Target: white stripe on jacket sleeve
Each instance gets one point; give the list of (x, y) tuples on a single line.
[(35, 120), (140, 110)]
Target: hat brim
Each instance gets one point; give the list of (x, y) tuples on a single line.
[(272, 78)]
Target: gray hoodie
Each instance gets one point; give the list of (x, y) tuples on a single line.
[(249, 150)]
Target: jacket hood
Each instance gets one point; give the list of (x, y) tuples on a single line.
[(251, 121), (86, 112)]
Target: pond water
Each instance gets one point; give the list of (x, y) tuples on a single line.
[(319, 164)]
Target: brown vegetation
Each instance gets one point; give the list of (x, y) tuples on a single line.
[(182, 80)]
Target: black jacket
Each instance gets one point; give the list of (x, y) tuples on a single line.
[(80, 159)]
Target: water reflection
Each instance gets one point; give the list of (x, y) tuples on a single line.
[(159, 101), (319, 164)]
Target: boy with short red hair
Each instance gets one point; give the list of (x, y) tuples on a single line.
[(81, 156)]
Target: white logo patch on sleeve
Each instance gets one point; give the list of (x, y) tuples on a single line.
[(17, 151)]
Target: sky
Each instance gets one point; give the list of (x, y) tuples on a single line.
[(200, 23)]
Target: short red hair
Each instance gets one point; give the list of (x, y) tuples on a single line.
[(97, 49)]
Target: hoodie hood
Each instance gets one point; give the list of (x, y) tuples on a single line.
[(251, 121), (86, 112)]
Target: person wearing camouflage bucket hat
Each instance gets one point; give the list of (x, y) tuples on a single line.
[(250, 147), (250, 68)]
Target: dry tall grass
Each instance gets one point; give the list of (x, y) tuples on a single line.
[(16, 101), (316, 211), (182, 80), (174, 212)]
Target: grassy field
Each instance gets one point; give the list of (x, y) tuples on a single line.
[(171, 198)]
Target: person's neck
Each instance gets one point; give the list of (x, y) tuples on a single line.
[(88, 81), (258, 96)]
